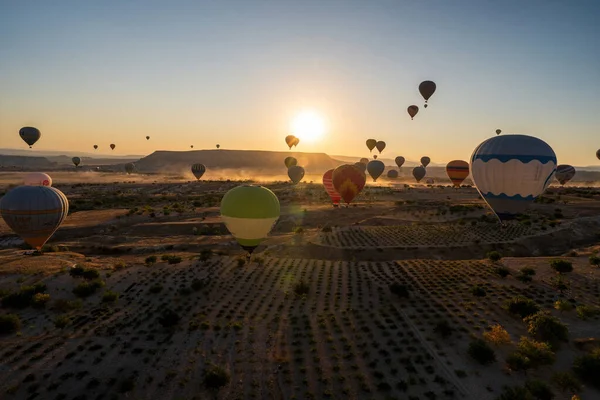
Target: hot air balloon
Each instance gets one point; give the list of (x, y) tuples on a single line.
[(498, 131), (191, 146), (112, 146), (361, 166), (510, 171), (430, 181), (289, 161), (30, 135), (34, 212), (457, 171), (425, 161), (364, 160), (564, 173), (427, 89), (249, 213), (412, 111), (371, 143), (296, 141), (198, 170), (348, 181), (37, 179), (392, 174), (598, 154), (76, 161), (328, 184), (380, 146), (399, 161), (95, 147), (419, 173), (375, 169), (218, 146), (147, 137), (296, 173), (290, 140), (129, 168)]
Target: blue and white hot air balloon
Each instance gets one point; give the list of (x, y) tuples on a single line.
[(510, 171)]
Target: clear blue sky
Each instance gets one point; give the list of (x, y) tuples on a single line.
[(236, 72)]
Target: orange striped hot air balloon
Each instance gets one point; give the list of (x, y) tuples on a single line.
[(348, 181), (34, 212), (328, 183), (457, 171)]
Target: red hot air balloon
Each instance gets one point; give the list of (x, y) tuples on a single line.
[(328, 183), (412, 111), (427, 89), (348, 181)]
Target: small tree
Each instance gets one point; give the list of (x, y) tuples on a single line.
[(594, 260), (561, 266), (481, 352), (497, 335), (521, 306), (494, 256), (216, 377), (587, 367), (9, 323), (547, 328)]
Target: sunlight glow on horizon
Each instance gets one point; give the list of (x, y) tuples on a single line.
[(308, 125)]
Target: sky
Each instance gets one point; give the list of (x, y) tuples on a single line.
[(237, 72)]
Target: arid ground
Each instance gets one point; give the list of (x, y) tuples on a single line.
[(411, 292)]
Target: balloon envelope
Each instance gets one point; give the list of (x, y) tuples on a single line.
[(112, 146), (598, 154), (95, 146), (364, 160), (218, 146), (76, 160), (564, 173), (34, 212), (392, 173), (129, 168), (147, 137), (425, 161), (198, 170), (289, 161), (361, 166), (371, 143), (290, 140), (30, 135), (348, 181), (457, 171), (412, 111), (498, 131), (427, 89), (37, 179), (380, 146), (296, 173), (375, 169), (329, 188), (419, 173), (249, 213), (510, 171), (399, 161)]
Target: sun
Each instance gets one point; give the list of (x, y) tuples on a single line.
[(308, 125)]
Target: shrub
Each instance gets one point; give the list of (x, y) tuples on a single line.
[(521, 306), (77, 271), (241, 261), (443, 329), (561, 266), (594, 260), (515, 393), (547, 328), (85, 289), (563, 305), (503, 272), (538, 353), (9, 323), (560, 283), (205, 255), (110, 296), (197, 284), (39, 300), (23, 297), (524, 278), (518, 361), (497, 335), (150, 260), (301, 288), (62, 321), (326, 229), (156, 288), (481, 352), (528, 271), (539, 389), (478, 291), (91, 274), (587, 367), (215, 377), (171, 259), (585, 312), (63, 305), (566, 381), (494, 256), (168, 318), (399, 290)]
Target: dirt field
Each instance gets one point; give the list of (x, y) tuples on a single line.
[(379, 300)]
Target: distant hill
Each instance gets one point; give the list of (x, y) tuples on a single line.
[(260, 161), (64, 153), (22, 162), (67, 160)]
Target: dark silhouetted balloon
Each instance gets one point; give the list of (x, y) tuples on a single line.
[(427, 89), (112, 146), (380, 146), (296, 173), (412, 111), (361, 166), (95, 146), (147, 137), (399, 161), (498, 131), (419, 173), (198, 170), (564, 173), (364, 160), (289, 161), (218, 146), (375, 169), (30, 135), (425, 161), (76, 161), (129, 168), (371, 143), (392, 174)]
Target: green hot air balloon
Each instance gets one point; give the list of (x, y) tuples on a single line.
[(76, 161), (249, 213), (290, 161), (30, 135), (198, 170), (296, 173), (129, 168), (375, 169)]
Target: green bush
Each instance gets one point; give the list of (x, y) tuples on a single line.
[(23, 297), (399, 290), (517, 361), (515, 393), (494, 256), (521, 306), (587, 367), (91, 274), (539, 389), (39, 300), (586, 312), (63, 305), (110, 296), (478, 291), (481, 352), (9, 323), (546, 328), (88, 288), (150, 260), (503, 272), (528, 271), (594, 260), (301, 288), (215, 377), (77, 271), (62, 321), (205, 254), (538, 353), (566, 382), (561, 266), (171, 259)]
